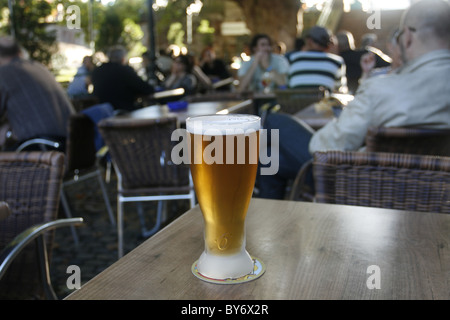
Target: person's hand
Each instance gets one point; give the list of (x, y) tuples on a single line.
[(258, 55), (367, 62), (262, 58)]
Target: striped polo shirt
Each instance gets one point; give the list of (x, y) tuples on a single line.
[(314, 68)]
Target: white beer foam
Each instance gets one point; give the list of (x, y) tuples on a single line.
[(223, 123)]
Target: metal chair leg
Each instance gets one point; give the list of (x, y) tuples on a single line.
[(161, 208), (192, 192), (108, 171), (68, 213), (119, 227), (106, 198), (44, 268)]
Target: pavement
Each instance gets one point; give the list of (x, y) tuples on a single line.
[(97, 248)]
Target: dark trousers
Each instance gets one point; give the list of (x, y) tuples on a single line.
[(294, 140)]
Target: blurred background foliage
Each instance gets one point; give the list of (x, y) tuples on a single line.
[(124, 22)]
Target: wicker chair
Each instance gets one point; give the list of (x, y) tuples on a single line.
[(83, 103), (30, 189), (82, 160), (409, 140), (292, 101), (384, 180), (383, 139), (140, 150)]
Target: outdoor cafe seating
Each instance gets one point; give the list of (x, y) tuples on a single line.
[(82, 159), (383, 180), (398, 140), (141, 150), (31, 183), (347, 178)]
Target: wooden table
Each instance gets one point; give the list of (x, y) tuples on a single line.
[(193, 109), (311, 251)]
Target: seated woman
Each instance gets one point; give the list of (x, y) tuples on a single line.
[(181, 76)]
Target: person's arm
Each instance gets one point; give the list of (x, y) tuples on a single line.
[(202, 77), (280, 73), (136, 84), (367, 63), (246, 75), (347, 132), (189, 84)]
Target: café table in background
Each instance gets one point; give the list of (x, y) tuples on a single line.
[(317, 119), (313, 118), (192, 109), (310, 251)]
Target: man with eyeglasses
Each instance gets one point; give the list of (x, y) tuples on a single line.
[(416, 95)]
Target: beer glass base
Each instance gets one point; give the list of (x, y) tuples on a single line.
[(225, 267), (258, 270)]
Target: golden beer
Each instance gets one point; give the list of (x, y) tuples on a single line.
[(224, 161)]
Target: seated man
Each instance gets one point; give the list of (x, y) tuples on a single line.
[(33, 102), (117, 83), (314, 66), (415, 96)]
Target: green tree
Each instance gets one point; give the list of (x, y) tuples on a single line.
[(110, 30), (120, 25), (171, 22), (30, 28), (278, 19)]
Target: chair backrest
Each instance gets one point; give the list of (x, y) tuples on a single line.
[(385, 180), (80, 144), (30, 183), (141, 150), (292, 101), (409, 140), (82, 103), (219, 96)]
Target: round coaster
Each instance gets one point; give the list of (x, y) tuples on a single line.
[(258, 270)]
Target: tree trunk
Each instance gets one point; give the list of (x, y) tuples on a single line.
[(278, 19)]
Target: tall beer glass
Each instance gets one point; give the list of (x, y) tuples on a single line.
[(223, 159)]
